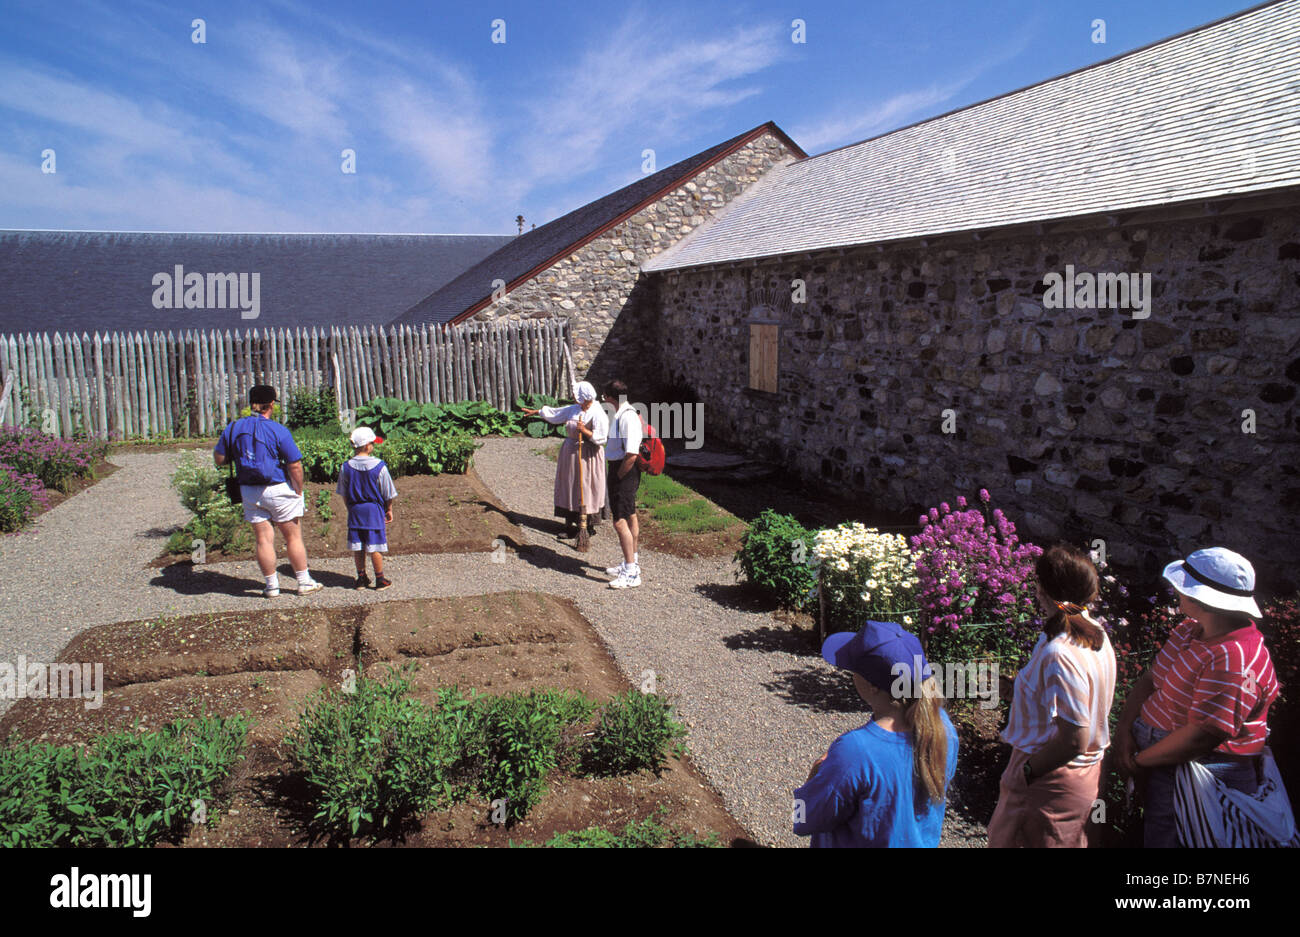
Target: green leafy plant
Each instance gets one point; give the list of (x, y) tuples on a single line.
[(323, 506), (313, 408), (522, 740), (451, 452), (323, 456), (774, 555), (535, 426), (373, 757), (127, 789), (390, 417), (642, 834), (217, 522), (636, 730), (195, 481)]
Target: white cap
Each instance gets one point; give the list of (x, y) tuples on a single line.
[(362, 436), (1218, 578)]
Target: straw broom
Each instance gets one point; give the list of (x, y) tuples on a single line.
[(584, 538)]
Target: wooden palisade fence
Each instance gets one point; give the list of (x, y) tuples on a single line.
[(123, 385)]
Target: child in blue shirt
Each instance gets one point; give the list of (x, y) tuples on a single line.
[(883, 784), (367, 488)]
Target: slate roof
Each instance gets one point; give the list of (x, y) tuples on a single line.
[(85, 281), (1207, 113), (534, 251)]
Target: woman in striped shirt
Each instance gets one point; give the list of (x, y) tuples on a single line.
[(1058, 727), (1207, 694)]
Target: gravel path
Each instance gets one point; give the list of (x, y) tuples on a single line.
[(760, 708)]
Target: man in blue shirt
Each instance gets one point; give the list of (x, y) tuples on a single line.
[(270, 485), (883, 784)]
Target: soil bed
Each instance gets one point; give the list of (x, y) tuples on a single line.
[(272, 662), (76, 485), (432, 514), (207, 443)]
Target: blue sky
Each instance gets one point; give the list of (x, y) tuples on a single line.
[(456, 134)]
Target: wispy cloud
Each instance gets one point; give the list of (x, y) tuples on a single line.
[(246, 133), (845, 124), (654, 79)]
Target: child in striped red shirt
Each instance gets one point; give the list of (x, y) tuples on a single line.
[(1207, 694)]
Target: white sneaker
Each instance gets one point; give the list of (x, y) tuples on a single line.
[(616, 570), (305, 587), (271, 593), (627, 580)]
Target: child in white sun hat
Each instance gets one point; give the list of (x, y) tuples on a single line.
[(367, 489), (1206, 697)]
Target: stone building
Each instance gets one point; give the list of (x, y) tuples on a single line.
[(920, 353), (585, 266), (1083, 295)]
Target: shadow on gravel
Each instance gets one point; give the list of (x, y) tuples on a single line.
[(188, 579), (767, 638), (542, 557), (818, 690), (546, 525), (158, 533), (740, 596)]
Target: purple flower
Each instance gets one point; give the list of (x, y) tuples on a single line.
[(984, 495)]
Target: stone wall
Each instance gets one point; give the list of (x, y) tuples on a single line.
[(1082, 423), (597, 286)]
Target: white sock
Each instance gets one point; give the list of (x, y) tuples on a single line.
[(304, 576), (273, 581)]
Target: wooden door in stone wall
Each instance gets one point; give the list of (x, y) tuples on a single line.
[(762, 357)]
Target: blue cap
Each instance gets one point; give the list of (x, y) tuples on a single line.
[(874, 652)]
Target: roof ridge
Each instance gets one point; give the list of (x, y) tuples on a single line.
[(671, 177), (1207, 116), (1075, 71)]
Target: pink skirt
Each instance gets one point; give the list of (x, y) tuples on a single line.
[(1053, 811)]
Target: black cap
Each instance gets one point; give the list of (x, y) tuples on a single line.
[(261, 394)]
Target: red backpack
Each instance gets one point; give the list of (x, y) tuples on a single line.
[(650, 457)]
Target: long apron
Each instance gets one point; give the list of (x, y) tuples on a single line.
[(568, 500)]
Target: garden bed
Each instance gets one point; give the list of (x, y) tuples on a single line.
[(272, 663), (165, 444), (54, 497), (433, 514), (675, 519)]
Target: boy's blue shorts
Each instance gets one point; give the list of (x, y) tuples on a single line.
[(372, 541)]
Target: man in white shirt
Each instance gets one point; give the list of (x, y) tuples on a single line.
[(623, 478)]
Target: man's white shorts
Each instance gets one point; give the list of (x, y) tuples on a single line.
[(276, 503)]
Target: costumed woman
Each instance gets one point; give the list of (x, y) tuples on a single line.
[(579, 489)]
